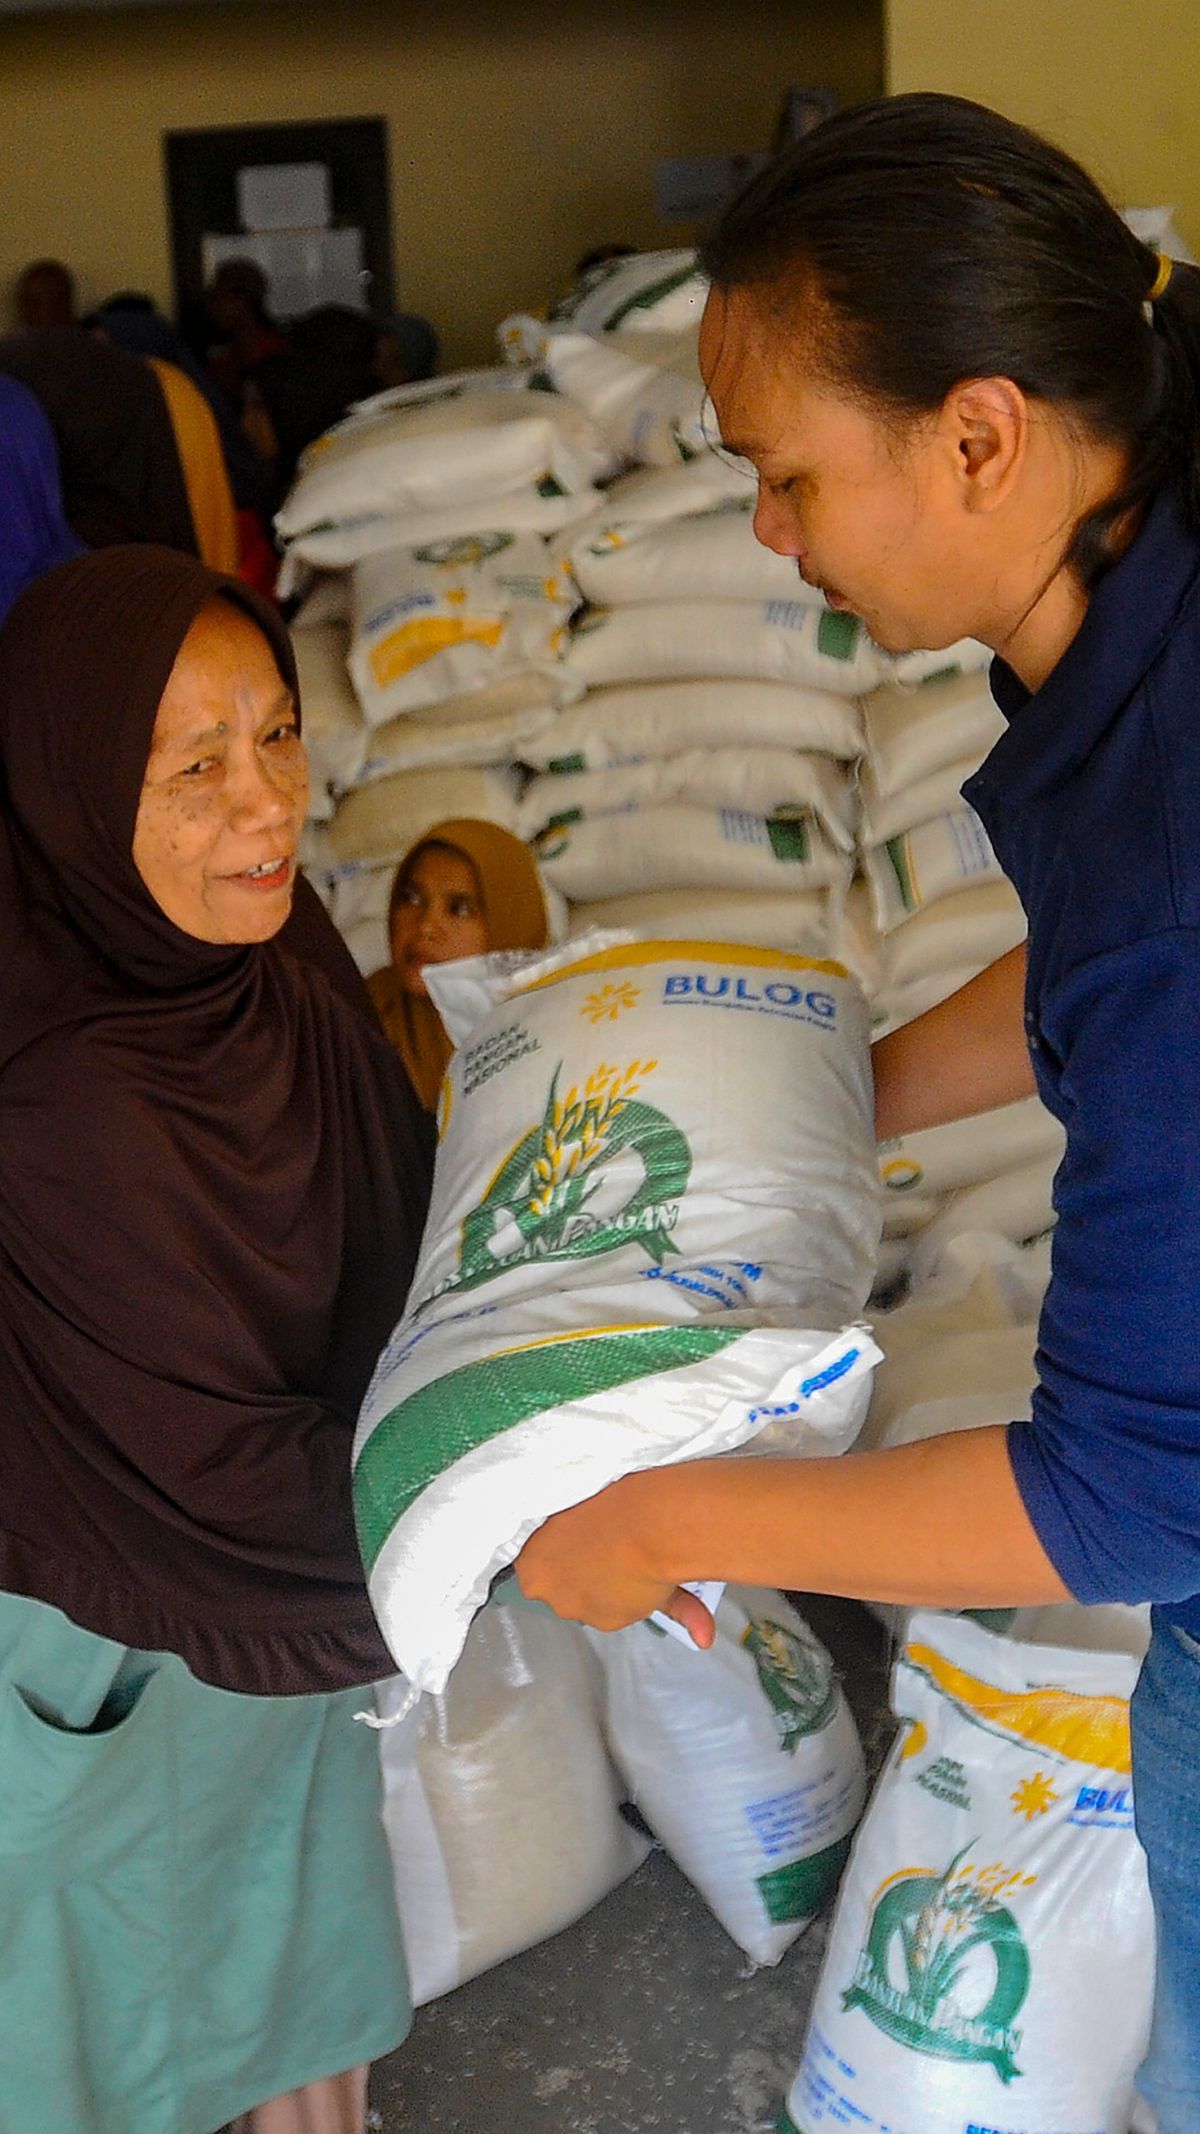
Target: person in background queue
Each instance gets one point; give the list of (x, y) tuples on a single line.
[(972, 399), (213, 1177), (464, 888), (34, 534)]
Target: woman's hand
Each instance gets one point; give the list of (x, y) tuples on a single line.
[(602, 1563)]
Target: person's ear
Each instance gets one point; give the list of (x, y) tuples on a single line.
[(987, 427)]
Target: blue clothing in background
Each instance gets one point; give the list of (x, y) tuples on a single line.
[(33, 531), (1092, 801)]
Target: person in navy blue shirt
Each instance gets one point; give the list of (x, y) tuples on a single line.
[(971, 397)]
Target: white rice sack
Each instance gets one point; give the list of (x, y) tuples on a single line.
[(655, 1195), (608, 727), (1108, 1626), (991, 1963), (434, 622), (938, 794), (711, 555), (643, 391), (377, 822), (854, 939), (326, 600), (758, 781), (912, 670), (648, 292), (903, 1217), (913, 732), (499, 1802), (335, 732), (679, 847), (965, 1381), (764, 640), (744, 1760), (969, 929), (491, 725), (332, 545), (941, 1159), (798, 923), (439, 455), (937, 858), (1017, 1205), (652, 496)]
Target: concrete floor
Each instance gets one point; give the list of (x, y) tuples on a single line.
[(644, 2018)]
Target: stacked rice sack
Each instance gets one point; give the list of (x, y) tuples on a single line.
[(940, 910), (424, 528)]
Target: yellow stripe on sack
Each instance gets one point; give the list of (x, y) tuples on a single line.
[(586, 1333), (401, 650), (1090, 1730), (639, 952)]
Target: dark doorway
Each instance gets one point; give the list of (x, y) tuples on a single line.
[(309, 201)]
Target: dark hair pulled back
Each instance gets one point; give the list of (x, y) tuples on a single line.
[(942, 241)]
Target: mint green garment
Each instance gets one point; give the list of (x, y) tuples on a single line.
[(197, 1908)]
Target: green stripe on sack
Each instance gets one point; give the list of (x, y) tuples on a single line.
[(800, 1889), (434, 1428)]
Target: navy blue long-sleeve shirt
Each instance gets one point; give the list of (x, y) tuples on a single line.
[(1092, 801)]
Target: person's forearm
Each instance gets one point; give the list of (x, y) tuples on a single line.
[(967, 1055), (938, 1524)]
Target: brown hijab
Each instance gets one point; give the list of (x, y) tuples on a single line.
[(515, 910), (212, 1184)]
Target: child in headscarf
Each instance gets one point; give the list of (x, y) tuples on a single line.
[(33, 532), (464, 888)]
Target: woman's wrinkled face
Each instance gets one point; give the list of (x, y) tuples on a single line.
[(439, 916), (226, 787), (868, 514)]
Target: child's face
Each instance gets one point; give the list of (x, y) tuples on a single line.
[(439, 916)]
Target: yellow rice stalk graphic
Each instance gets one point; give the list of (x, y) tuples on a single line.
[(574, 1139), (956, 1918)]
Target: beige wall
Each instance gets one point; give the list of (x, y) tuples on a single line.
[(521, 132), (1113, 81)]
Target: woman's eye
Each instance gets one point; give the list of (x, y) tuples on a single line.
[(199, 767), (285, 733), (461, 908)]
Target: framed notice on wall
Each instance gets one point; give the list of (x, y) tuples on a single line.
[(308, 202)]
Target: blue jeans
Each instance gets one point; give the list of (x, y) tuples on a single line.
[(1166, 1774)]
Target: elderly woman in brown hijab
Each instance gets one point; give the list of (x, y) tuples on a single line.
[(212, 1182), (464, 888)]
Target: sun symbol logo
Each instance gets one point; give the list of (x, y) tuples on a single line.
[(610, 1002), (1033, 1797)]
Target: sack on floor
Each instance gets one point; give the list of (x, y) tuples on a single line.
[(744, 1760), (911, 872), (679, 847), (991, 1962), (801, 924), (434, 455), (762, 640), (710, 555), (913, 733), (430, 623), (500, 1803), (654, 1204), (757, 781), (609, 727)]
